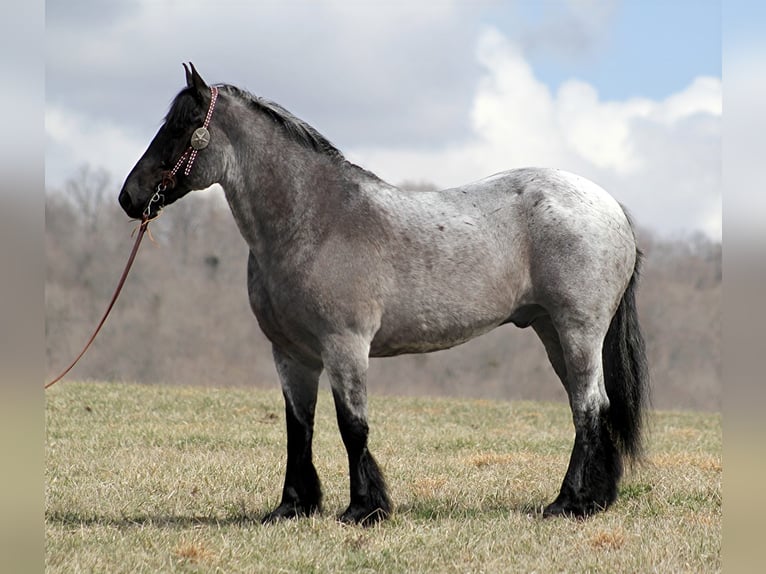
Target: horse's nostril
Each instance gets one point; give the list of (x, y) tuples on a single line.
[(125, 201)]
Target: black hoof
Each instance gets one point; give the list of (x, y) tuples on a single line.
[(288, 511), (571, 509), (363, 515)]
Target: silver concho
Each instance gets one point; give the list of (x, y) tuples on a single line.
[(200, 138)]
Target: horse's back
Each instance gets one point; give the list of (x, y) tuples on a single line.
[(551, 209), (532, 189)]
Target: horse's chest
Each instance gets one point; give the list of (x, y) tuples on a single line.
[(280, 311), (279, 317)]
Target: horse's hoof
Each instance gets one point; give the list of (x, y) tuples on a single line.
[(570, 509), (362, 516), (286, 512), (557, 509)]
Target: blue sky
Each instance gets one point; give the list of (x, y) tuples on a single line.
[(650, 48), (743, 24), (625, 92)]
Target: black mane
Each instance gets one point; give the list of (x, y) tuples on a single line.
[(185, 110)]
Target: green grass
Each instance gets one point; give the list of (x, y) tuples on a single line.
[(168, 479)]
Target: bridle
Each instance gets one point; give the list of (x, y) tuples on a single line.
[(199, 141)]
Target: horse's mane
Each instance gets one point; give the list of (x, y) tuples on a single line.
[(184, 110)]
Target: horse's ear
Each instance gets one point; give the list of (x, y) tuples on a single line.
[(194, 80), (189, 83)]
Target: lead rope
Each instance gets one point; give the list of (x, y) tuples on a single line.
[(199, 141), (142, 228)]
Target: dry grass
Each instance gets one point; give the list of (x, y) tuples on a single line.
[(194, 552), (168, 479), (607, 539)]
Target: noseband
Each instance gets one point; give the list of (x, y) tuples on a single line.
[(199, 141)]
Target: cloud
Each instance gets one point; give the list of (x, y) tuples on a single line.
[(74, 139), (394, 86), (660, 158), (383, 64), (568, 29)]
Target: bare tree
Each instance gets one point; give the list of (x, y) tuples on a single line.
[(87, 192)]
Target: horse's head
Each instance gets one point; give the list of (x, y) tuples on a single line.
[(185, 155)]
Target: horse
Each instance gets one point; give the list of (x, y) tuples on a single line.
[(343, 266)]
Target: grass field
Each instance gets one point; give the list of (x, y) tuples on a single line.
[(169, 479)]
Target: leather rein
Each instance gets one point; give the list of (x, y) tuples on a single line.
[(199, 140)]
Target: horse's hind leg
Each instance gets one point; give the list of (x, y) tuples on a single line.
[(302, 492), (346, 363), (547, 333), (595, 466)]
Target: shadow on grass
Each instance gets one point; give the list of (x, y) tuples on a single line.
[(425, 509), (72, 519), (436, 509)]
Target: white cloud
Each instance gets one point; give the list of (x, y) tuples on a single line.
[(703, 96), (660, 158), (599, 132), (513, 114), (74, 139), (380, 64)]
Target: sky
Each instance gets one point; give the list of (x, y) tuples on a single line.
[(627, 93)]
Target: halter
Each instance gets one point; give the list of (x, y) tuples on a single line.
[(199, 141)]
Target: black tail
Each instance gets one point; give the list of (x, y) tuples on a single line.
[(626, 373)]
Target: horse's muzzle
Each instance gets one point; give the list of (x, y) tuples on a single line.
[(126, 202)]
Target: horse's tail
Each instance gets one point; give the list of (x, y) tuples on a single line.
[(626, 373)]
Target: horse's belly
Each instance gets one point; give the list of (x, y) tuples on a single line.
[(420, 333), (445, 304)]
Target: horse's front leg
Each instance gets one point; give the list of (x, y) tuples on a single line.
[(302, 492), (346, 360)]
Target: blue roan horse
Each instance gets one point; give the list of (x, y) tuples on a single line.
[(344, 266)]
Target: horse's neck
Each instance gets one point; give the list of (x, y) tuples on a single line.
[(280, 192)]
